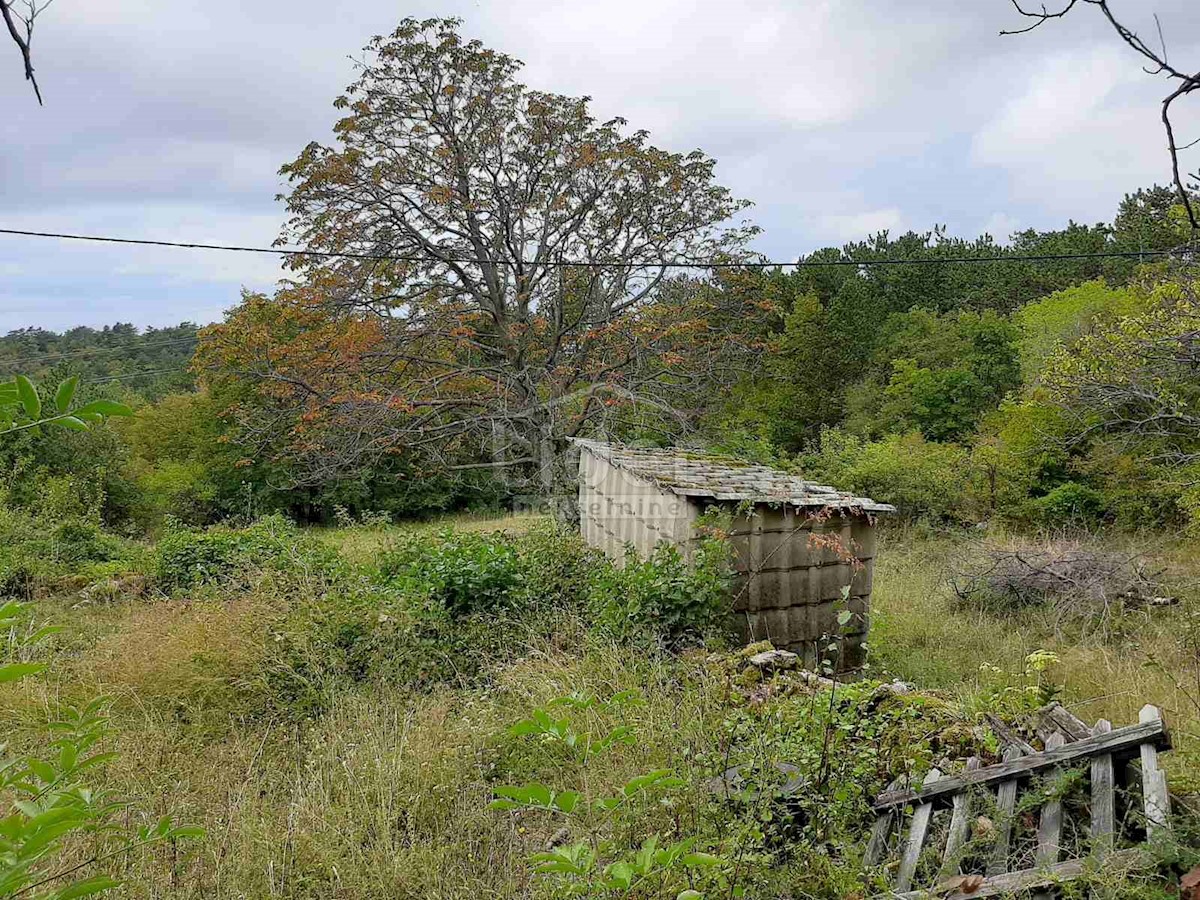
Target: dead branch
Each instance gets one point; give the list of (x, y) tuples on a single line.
[(1158, 65), (20, 29)]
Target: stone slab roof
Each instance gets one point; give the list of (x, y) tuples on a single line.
[(703, 475)]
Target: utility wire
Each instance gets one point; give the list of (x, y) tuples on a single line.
[(669, 264), (95, 351), (128, 375)]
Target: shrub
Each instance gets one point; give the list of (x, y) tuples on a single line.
[(922, 478), (1070, 504), (666, 594), (463, 572), (555, 566), (36, 551), (187, 557)]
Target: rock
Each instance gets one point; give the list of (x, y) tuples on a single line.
[(774, 660)]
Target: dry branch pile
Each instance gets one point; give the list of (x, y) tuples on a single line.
[(1080, 583)]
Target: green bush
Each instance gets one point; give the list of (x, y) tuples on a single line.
[(921, 478), (38, 551), (555, 566), (186, 557), (1070, 504), (665, 594), (463, 572)]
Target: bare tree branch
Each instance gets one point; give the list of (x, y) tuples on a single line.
[(20, 29), (1159, 65)]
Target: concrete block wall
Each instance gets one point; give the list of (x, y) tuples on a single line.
[(792, 564)]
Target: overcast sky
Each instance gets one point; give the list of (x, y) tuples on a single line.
[(169, 119)]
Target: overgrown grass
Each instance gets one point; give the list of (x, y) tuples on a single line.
[(374, 781), (922, 634), (360, 543)]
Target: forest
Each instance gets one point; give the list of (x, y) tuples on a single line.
[(962, 392), (294, 603)]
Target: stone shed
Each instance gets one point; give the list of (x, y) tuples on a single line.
[(796, 545)]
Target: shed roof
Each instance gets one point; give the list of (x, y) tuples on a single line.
[(704, 475)]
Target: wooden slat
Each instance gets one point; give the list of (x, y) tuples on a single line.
[(917, 831), (1049, 837), (882, 830), (1050, 821), (960, 825), (1104, 798), (1156, 799), (1056, 717), (1006, 804), (1011, 883), (1122, 741), (1008, 737)]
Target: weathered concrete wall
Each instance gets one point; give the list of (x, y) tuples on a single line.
[(793, 565), (793, 570), (616, 508)]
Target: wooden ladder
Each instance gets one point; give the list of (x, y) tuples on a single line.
[(1067, 741)]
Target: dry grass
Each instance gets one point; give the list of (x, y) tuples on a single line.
[(920, 633), (385, 795)]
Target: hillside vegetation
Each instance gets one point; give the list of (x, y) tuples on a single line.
[(272, 629), (342, 725)]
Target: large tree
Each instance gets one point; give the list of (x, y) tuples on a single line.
[(486, 265)]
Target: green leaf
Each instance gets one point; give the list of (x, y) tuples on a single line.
[(17, 671), (104, 408), (566, 801), (189, 832), (690, 895), (86, 888), (620, 874), (65, 394), (42, 770), (72, 423), (701, 860), (30, 401), (844, 617)]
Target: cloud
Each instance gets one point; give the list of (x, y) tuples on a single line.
[(1084, 118), (855, 226), (836, 117)]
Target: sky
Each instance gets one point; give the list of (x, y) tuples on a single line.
[(169, 120)]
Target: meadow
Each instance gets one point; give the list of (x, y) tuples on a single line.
[(334, 738)]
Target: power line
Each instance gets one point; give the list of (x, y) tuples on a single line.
[(96, 351), (128, 375), (668, 264)]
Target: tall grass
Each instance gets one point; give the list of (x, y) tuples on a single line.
[(922, 634)]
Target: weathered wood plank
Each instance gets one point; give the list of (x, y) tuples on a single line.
[(1104, 796), (1008, 737), (1049, 837), (1030, 879), (917, 830), (960, 825), (1050, 821), (1056, 717), (1156, 799), (1119, 742), (882, 830), (1006, 804)]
